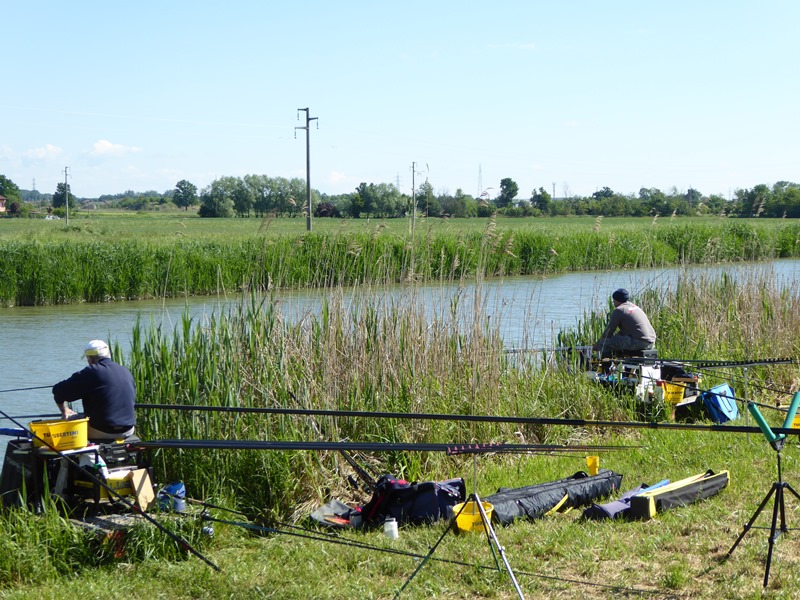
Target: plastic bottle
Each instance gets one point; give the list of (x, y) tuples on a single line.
[(390, 528)]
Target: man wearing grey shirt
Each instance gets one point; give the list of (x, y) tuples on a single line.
[(628, 329)]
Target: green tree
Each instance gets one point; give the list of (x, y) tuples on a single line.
[(693, 197), (606, 192), (508, 191), (9, 189), (363, 200), (61, 195), (388, 200), (243, 198), (215, 201), (261, 190), (185, 194), (459, 206), (541, 200)]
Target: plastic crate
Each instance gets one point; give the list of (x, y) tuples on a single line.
[(59, 434)]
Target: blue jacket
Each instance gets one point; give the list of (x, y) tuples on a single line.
[(108, 393)]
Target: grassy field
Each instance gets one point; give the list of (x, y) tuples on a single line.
[(114, 226)]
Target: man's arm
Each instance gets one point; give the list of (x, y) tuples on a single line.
[(613, 324), (69, 390)]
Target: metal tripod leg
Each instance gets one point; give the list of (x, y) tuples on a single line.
[(778, 508), (754, 517), (491, 536)]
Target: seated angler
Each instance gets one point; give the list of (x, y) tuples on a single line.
[(628, 329), (107, 391)]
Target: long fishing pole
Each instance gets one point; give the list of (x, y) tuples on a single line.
[(51, 415), (470, 418), (449, 449), (25, 389), (112, 492)]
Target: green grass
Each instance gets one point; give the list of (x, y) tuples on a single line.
[(114, 258), (680, 553), (368, 354)]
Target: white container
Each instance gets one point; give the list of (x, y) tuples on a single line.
[(390, 529)]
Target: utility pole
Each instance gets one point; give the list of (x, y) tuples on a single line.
[(554, 190), (309, 118), (413, 196), (66, 193)]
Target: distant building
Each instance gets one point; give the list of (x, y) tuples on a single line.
[(3, 204)]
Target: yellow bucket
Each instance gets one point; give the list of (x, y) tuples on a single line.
[(470, 518), (673, 394), (60, 434)]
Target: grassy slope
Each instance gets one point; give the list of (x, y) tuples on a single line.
[(679, 554)]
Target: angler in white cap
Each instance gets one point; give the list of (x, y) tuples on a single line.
[(107, 391)]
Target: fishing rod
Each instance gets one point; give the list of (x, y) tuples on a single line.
[(713, 364), (52, 415), (548, 350), (471, 418), (308, 534), (113, 493), (449, 449), (25, 389)]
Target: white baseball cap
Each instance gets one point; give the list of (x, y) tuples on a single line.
[(97, 348)]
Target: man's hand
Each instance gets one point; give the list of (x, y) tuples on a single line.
[(67, 412)]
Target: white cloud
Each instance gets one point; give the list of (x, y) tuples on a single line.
[(106, 148), (48, 151)]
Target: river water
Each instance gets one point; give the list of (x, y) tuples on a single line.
[(42, 345)]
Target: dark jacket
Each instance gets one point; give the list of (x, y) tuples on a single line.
[(108, 394)]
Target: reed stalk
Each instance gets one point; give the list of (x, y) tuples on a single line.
[(59, 269)]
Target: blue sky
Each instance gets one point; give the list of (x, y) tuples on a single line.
[(573, 94)]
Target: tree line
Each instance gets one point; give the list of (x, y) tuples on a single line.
[(261, 195)]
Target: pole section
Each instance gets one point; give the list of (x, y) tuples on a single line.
[(413, 199), (66, 194), (308, 164), (308, 175)]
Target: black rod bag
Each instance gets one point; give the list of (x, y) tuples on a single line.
[(680, 493), (534, 501)]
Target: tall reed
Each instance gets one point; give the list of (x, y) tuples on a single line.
[(85, 269)]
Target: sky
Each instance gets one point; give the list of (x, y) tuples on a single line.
[(569, 96)]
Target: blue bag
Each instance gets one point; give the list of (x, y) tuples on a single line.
[(720, 403)]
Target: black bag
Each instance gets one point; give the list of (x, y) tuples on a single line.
[(412, 502), (534, 501)]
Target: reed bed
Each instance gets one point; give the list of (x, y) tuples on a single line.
[(381, 355), (81, 266)]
